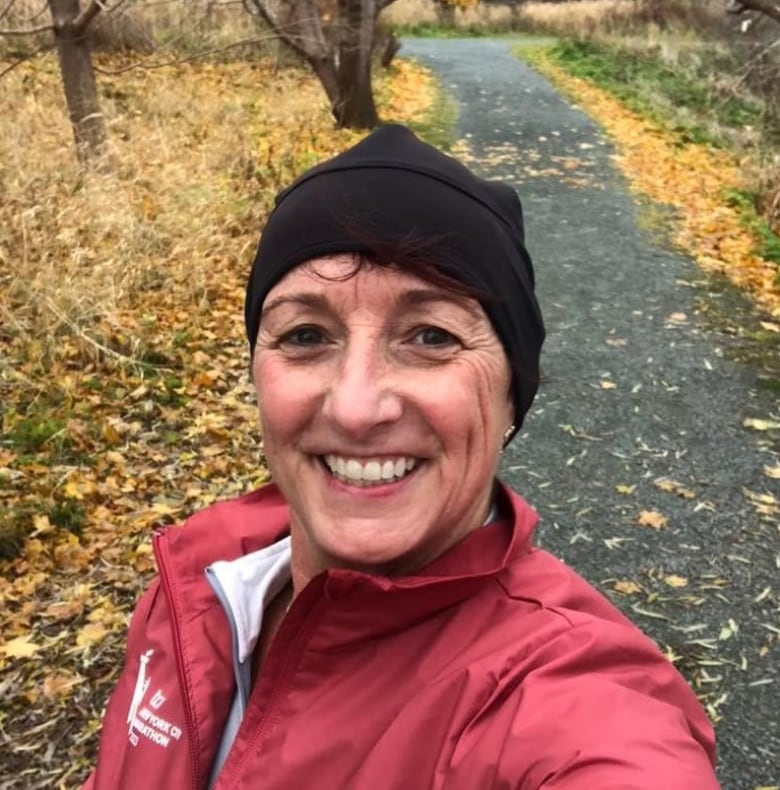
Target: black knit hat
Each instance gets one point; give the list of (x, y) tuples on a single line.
[(388, 190)]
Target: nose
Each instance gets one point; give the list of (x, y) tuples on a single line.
[(362, 394)]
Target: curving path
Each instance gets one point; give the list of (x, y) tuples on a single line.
[(642, 406)]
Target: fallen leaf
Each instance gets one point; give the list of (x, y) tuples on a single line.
[(770, 326), (58, 684), (90, 634), (627, 587), (21, 647), (672, 486), (607, 385), (677, 318), (676, 581), (624, 489), (772, 471), (652, 519), (760, 425)]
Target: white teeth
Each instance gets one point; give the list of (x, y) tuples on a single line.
[(354, 470), (372, 471), (359, 473)]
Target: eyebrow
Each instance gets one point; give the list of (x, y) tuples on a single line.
[(415, 297), (420, 297), (312, 300)]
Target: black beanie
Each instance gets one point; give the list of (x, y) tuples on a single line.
[(391, 188)]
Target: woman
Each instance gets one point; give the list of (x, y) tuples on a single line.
[(378, 618)]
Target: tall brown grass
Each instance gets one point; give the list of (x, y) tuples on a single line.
[(197, 153), (173, 26)]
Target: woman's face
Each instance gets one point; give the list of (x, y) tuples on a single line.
[(383, 401)]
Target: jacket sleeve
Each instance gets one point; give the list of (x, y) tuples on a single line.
[(601, 708), (113, 739)]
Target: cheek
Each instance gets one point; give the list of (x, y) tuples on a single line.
[(281, 396)]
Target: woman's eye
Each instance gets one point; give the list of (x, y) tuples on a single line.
[(304, 336), (435, 337)]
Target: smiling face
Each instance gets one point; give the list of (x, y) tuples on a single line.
[(383, 400)]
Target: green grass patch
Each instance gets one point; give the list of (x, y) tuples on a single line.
[(437, 126), (35, 432), (675, 100), (433, 30), (767, 244)]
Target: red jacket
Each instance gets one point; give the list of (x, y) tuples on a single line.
[(495, 667)]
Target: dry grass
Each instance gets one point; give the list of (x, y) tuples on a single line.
[(173, 26), (123, 362), (595, 18), (189, 180), (577, 18)]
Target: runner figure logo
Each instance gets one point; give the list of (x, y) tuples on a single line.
[(142, 720)]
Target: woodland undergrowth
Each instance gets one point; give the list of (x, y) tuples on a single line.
[(123, 374)]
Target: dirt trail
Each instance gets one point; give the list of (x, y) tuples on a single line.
[(636, 454)]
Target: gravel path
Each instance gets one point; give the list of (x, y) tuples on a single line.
[(642, 405)]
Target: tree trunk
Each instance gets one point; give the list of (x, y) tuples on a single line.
[(445, 12), (355, 106), (78, 79)]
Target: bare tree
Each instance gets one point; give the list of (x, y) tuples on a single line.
[(69, 26), (337, 41)]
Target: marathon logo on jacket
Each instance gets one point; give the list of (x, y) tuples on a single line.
[(144, 720)]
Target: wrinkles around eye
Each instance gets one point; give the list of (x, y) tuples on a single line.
[(303, 336), (434, 337)]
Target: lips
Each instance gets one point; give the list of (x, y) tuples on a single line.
[(369, 471)]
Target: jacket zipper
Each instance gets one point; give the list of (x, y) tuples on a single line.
[(161, 556), (289, 666)]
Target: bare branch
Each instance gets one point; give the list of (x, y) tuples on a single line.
[(746, 68), (4, 13), (24, 58), (140, 64), (29, 32), (262, 11), (770, 8), (82, 21)]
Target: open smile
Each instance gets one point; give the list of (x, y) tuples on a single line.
[(365, 472)]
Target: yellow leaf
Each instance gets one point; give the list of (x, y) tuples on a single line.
[(110, 434), (760, 425), (21, 647), (624, 489), (772, 471), (90, 634), (608, 385), (652, 519), (627, 587), (672, 486), (676, 581), (42, 526), (58, 684)]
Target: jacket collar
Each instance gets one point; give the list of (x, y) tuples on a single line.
[(364, 604)]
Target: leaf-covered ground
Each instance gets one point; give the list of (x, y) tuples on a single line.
[(123, 374), (701, 183), (651, 450)]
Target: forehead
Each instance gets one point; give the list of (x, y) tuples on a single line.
[(341, 279)]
